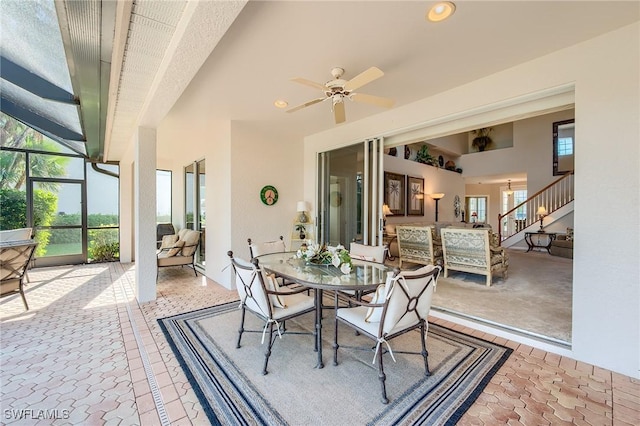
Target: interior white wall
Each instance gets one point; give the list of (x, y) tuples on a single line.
[(260, 158), (605, 74)]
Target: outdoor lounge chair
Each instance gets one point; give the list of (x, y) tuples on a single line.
[(14, 261)]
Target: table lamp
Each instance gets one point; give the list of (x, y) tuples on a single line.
[(542, 212), (303, 208), (386, 211)]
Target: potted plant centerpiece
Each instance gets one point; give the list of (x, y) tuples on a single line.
[(482, 139), (321, 254)]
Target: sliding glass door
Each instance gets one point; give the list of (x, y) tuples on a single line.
[(195, 212), (350, 194)]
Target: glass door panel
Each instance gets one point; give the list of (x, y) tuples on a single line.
[(349, 199), (200, 257), (58, 218)]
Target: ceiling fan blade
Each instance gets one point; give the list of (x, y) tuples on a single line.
[(374, 100), (309, 83), (306, 104), (338, 112), (363, 78)]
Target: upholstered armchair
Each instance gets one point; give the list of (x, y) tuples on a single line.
[(471, 250), (416, 245), (179, 249)]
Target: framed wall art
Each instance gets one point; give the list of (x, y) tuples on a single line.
[(415, 196), (394, 192)]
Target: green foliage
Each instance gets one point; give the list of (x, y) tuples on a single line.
[(423, 156), (103, 245), (14, 134), (14, 209)]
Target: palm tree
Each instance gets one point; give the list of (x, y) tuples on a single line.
[(14, 134)]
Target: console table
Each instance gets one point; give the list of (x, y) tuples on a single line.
[(539, 240)]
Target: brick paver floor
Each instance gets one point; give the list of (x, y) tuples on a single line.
[(87, 353)]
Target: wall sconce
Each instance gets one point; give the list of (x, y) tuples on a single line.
[(437, 197), (303, 208), (509, 191), (542, 212)]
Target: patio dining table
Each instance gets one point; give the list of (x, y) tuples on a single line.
[(364, 276)]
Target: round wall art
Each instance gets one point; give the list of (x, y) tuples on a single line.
[(269, 195)]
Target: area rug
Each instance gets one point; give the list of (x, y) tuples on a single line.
[(232, 389)]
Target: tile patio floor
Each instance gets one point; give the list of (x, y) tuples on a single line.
[(78, 355)]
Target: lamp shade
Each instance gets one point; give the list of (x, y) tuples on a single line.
[(386, 211), (437, 195), (542, 211), (302, 206)]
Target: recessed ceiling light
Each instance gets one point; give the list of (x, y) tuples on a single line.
[(280, 103), (441, 11)]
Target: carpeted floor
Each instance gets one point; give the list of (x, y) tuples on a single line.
[(536, 296), (233, 390)]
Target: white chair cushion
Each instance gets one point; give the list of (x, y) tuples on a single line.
[(374, 313), (272, 284), (269, 247), (294, 303), (369, 253)]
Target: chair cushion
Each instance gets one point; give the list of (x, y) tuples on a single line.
[(368, 253), (272, 284), (294, 303), (258, 249), (176, 248), (191, 239), (169, 241), (374, 313)]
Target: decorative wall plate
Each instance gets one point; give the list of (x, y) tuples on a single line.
[(269, 195)]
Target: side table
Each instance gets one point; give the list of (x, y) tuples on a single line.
[(539, 240)]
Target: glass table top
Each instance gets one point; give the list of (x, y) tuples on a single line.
[(364, 275)]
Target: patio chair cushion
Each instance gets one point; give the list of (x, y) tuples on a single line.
[(374, 313), (168, 241), (176, 248), (272, 284), (190, 239)]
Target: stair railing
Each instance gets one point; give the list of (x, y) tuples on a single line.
[(553, 196)]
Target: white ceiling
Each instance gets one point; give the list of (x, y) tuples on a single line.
[(270, 42)]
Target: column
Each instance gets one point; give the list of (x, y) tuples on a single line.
[(145, 214)]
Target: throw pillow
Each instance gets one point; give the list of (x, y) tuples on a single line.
[(569, 234), (272, 284), (168, 241), (177, 247)]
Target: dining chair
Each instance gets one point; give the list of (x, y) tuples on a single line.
[(368, 253), (268, 247), (260, 295), (400, 305)]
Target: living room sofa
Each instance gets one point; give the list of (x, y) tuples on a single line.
[(563, 245)]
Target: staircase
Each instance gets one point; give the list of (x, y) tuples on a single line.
[(553, 197)]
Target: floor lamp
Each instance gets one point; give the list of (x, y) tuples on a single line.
[(437, 197)]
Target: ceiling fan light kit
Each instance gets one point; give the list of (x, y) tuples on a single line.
[(338, 89)]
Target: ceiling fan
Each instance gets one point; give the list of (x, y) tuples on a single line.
[(338, 89)]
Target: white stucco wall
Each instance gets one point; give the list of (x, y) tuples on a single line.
[(605, 74)]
